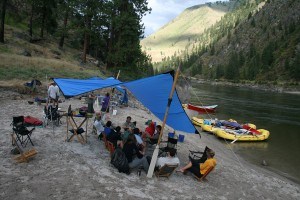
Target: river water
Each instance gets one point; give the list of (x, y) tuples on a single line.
[(277, 112)]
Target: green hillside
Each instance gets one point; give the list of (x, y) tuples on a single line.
[(182, 32), (256, 41), (71, 39)]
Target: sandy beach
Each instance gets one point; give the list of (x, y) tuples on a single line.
[(71, 170)]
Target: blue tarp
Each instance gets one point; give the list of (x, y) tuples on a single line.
[(75, 87), (153, 92)]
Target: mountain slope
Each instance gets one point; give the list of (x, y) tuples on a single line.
[(265, 46), (181, 32)]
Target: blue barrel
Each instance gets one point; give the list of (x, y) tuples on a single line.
[(180, 138), (171, 135)]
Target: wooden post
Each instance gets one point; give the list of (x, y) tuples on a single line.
[(155, 153)]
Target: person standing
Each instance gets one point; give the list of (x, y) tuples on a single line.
[(105, 103), (53, 94)]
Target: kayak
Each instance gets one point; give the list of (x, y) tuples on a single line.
[(201, 109)]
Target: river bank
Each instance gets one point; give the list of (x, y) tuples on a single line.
[(68, 170), (290, 88)]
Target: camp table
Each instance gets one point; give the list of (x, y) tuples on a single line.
[(75, 127)]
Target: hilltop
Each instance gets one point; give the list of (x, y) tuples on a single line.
[(182, 32)]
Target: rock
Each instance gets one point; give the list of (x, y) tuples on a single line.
[(264, 163), (26, 53), (56, 52)]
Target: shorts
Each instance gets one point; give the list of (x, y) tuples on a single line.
[(53, 100), (195, 169), (105, 110)]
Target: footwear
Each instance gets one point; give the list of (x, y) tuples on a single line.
[(139, 172)]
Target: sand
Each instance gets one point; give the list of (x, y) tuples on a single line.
[(71, 170)]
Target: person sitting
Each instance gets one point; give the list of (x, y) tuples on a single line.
[(125, 135), (98, 124), (156, 133), (150, 129), (135, 157), (128, 124), (108, 128), (169, 159), (199, 169), (137, 135), (115, 137)]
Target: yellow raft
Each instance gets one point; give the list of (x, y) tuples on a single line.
[(229, 134), (264, 134), (200, 122)]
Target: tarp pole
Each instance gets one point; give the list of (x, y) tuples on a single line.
[(112, 91), (155, 153)]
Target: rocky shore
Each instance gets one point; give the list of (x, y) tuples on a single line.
[(71, 170)]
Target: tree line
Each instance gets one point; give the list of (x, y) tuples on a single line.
[(247, 44), (109, 30)]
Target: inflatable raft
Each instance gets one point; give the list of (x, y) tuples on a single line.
[(242, 135), (203, 123), (231, 130)]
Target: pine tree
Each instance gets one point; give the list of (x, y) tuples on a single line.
[(2, 19)]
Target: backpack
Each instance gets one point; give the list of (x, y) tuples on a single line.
[(119, 160)]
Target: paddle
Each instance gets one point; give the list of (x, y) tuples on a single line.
[(155, 153)]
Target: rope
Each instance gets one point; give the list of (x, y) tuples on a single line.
[(183, 76), (236, 157)]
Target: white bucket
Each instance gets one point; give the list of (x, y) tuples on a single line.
[(114, 112)]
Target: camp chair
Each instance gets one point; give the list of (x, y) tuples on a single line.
[(52, 115), (110, 147), (171, 144), (203, 177), (197, 156), (105, 140), (166, 170), (21, 132)]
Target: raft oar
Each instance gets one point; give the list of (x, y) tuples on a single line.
[(155, 153), (234, 141)]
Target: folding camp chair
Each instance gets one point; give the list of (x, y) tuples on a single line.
[(110, 147), (171, 144), (203, 177), (166, 170), (52, 115), (197, 156), (21, 131)]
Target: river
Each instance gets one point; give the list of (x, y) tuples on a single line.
[(277, 112)]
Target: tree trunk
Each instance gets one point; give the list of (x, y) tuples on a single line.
[(86, 39), (84, 47), (110, 46), (43, 21), (62, 38), (3, 9), (30, 22), (89, 25)]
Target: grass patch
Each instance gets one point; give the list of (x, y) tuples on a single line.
[(26, 68), (4, 49)]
